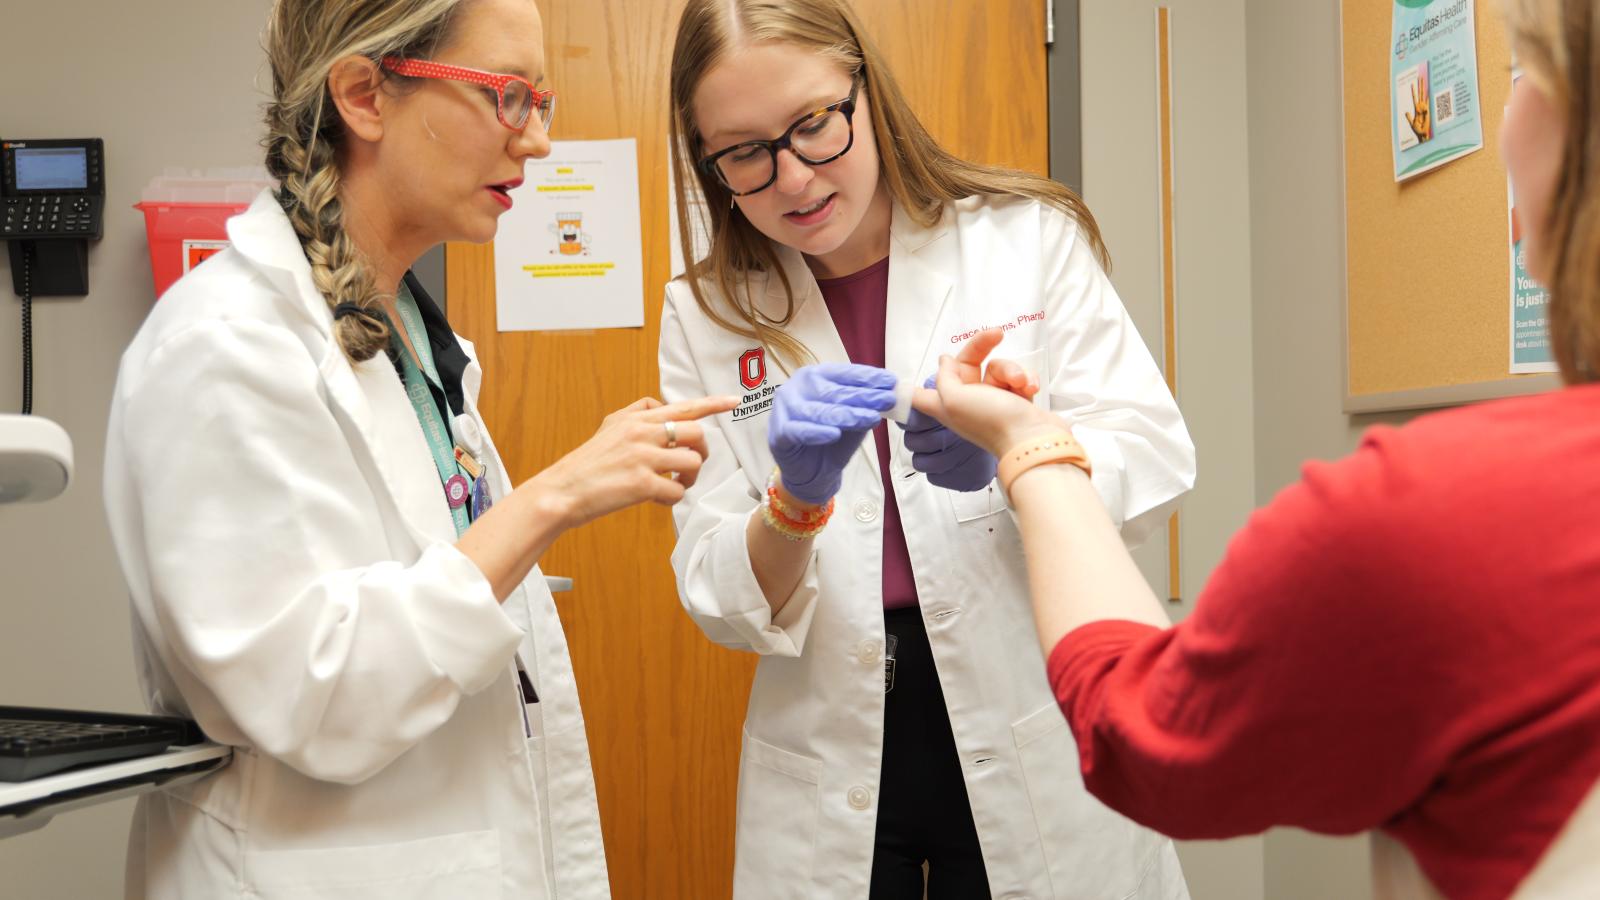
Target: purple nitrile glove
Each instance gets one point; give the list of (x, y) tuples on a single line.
[(819, 418), (949, 460)]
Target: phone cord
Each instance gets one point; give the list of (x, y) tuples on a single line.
[(27, 330)]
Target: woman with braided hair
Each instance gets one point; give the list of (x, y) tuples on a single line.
[(330, 568)]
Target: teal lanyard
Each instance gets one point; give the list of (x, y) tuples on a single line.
[(433, 424)]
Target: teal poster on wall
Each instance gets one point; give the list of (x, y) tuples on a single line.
[(1433, 85), (1530, 302)]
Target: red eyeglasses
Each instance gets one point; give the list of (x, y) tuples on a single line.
[(515, 97)]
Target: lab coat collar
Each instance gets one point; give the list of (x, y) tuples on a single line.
[(918, 292), (917, 296), (914, 236), (263, 235), (905, 236)]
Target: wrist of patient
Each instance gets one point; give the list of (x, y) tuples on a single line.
[(1041, 424), (1053, 449), (1032, 482)]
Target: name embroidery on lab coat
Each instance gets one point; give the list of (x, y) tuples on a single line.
[(1024, 319)]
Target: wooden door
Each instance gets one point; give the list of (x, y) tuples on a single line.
[(663, 704)]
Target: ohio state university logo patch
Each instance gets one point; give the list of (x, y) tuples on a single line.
[(753, 378), (753, 368)]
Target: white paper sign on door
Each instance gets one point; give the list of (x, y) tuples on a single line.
[(569, 254)]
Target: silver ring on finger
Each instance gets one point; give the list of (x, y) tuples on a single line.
[(672, 433)]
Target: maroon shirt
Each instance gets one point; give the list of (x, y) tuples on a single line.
[(859, 305), (1406, 639)]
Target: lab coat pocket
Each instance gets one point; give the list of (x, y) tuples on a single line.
[(779, 797), (970, 506), (1035, 362), (438, 868), (1089, 850)]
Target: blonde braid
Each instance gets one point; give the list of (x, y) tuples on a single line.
[(309, 174)]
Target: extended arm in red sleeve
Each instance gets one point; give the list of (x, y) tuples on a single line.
[(1302, 691)]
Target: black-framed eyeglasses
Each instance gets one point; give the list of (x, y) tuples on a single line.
[(818, 137)]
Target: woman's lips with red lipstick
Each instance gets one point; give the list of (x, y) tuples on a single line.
[(502, 191)]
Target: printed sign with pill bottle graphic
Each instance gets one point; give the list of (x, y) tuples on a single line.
[(569, 253)]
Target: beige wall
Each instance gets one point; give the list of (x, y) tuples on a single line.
[(1260, 223), (1213, 227), (1297, 279), (164, 83)]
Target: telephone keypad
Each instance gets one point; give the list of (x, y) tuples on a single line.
[(49, 215)]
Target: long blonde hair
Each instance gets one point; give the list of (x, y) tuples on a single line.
[(304, 39), (921, 175), (1556, 42)]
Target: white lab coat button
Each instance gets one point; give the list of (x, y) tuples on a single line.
[(860, 797), (866, 511), (867, 652)]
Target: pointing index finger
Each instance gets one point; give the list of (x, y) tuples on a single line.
[(688, 410)]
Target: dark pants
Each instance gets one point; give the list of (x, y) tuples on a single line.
[(923, 815)]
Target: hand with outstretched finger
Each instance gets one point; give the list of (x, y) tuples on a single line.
[(986, 409), (623, 463), (949, 460)]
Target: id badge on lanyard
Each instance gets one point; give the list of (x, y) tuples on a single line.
[(889, 644), (481, 498)]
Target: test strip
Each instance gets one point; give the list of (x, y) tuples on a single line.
[(901, 411)]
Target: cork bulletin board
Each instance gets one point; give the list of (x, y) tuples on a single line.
[(1428, 260)]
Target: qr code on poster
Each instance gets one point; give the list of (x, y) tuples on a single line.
[(1444, 106)]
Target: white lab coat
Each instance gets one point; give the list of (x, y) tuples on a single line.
[(813, 734), (296, 590)]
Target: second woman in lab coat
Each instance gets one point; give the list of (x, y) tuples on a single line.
[(900, 714), (331, 569)]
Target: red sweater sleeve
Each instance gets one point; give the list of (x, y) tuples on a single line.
[(1280, 700)]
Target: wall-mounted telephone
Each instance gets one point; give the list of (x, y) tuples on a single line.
[(52, 197), (51, 189)]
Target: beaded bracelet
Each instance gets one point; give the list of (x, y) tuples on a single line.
[(1058, 447), (790, 522)]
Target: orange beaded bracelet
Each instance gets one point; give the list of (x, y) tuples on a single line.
[(1057, 447), (790, 522)]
